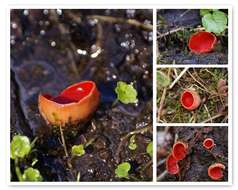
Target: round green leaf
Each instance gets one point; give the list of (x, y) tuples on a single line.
[(20, 146), (122, 170), (78, 150), (126, 93), (31, 174), (215, 22)]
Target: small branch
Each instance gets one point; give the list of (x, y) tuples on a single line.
[(122, 20), (162, 175), (213, 117), (177, 79), (161, 104)]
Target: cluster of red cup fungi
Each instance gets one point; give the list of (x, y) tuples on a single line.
[(73, 105), (202, 42), (179, 152)]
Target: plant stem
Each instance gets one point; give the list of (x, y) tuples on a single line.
[(114, 103), (63, 141), (17, 170)]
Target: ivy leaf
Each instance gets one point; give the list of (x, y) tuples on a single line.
[(162, 79), (78, 150), (31, 174), (149, 149), (132, 144), (215, 22), (20, 146), (126, 93), (122, 170)]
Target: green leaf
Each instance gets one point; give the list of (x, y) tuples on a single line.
[(126, 93), (122, 170), (31, 174), (149, 149), (205, 11), (162, 79), (20, 146), (215, 22), (132, 144), (78, 150)]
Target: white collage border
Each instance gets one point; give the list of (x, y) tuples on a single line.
[(155, 66)]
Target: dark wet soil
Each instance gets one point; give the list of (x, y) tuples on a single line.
[(174, 27), (52, 49), (194, 166)]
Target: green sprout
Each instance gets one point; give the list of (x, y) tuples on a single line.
[(132, 145), (126, 93), (31, 174), (78, 150), (122, 170), (20, 146), (214, 20), (149, 149)]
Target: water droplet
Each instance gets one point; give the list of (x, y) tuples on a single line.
[(26, 12), (59, 11), (45, 12), (14, 25), (13, 41), (114, 76), (81, 52), (42, 32), (53, 43), (130, 13)]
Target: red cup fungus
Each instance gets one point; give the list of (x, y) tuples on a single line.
[(73, 105), (172, 165), (215, 171), (190, 99), (208, 143), (202, 42), (179, 150)]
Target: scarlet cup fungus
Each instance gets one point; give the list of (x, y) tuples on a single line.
[(208, 143), (74, 104), (179, 151), (172, 165), (202, 42), (215, 171), (190, 99)]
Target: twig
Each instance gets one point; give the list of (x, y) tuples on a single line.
[(122, 20), (178, 77), (162, 175), (209, 115), (161, 104), (178, 29), (213, 117)]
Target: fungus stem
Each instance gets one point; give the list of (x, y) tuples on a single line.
[(63, 141)]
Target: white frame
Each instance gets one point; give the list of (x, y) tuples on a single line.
[(155, 124)]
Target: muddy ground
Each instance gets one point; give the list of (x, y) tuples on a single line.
[(174, 27), (51, 49), (194, 166)]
